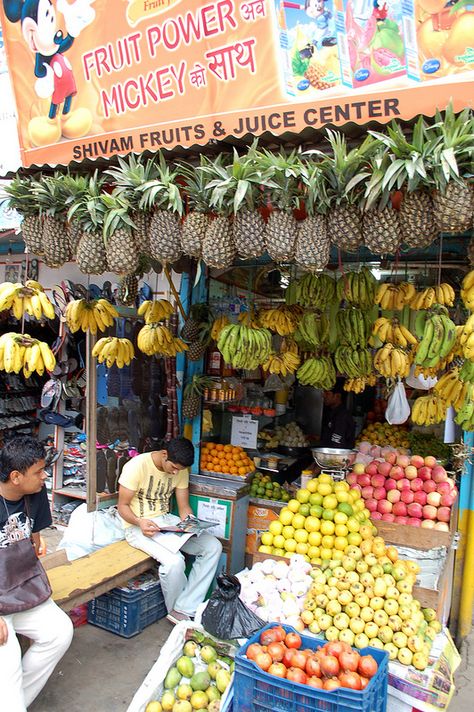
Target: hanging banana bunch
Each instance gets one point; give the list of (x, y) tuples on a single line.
[(392, 332), (358, 385), (429, 410), (439, 338), (95, 315), (282, 364), (452, 388), (25, 299), (217, 326), (394, 297), (21, 352), (155, 311), (393, 362), (157, 339), (114, 350), (245, 347), (317, 371), (282, 320), (357, 288)]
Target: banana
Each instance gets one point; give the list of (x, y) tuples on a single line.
[(144, 307), (17, 307), (46, 305), (36, 306), (47, 355)]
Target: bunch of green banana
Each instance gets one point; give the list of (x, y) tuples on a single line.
[(318, 372), (392, 332), (353, 327), (467, 291), (357, 288), (95, 315), (452, 388), (353, 362), (155, 311), (314, 290), (466, 372), (429, 410), (393, 297), (282, 320), (312, 331), (113, 350), (28, 298), (465, 415), (439, 338), (442, 294), (245, 347), (392, 361), (358, 385), (157, 339), (20, 352)]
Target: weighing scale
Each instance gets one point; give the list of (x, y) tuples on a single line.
[(334, 461)]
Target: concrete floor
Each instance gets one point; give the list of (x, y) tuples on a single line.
[(102, 671)]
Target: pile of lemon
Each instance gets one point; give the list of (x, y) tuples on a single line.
[(321, 521)]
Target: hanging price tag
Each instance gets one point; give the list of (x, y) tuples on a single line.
[(244, 432)]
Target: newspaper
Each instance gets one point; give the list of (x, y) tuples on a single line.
[(173, 537)]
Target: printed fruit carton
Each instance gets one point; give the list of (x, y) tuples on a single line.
[(308, 46), (371, 46), (439, 37)]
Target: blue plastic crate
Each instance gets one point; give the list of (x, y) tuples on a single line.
[(125, 612), (257, 691)]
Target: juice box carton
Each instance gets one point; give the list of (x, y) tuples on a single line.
[(370, 41), (308, 46), (439, 37)]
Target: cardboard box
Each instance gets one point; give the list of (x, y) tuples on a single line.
[(370, 41), (439, 38), (308, 47), (260, 516)]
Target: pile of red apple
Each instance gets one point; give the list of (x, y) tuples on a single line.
[(333, 665), (407, 490)]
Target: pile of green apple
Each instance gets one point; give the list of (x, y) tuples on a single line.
[(366, 599), (196, 681)]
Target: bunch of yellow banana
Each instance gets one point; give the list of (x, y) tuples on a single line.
[(249, 319), (20, 352), (157, 339), (442, 294), (217, 326), (28, 298), (466, 338), (393, 297), (392, 361), (429, 410), (467, 291), (358, 385), (282, 363), (155, 311), (452, 389), (391, 331), (96, 315), (282, 320), (114, 350)]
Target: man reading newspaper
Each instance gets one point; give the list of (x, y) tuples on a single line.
[(146, 484)]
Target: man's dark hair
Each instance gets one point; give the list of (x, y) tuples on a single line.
[(339, 388), (180, 451), (20, 454)]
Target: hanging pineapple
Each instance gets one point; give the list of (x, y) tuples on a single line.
[(341, 169), (381, 223), (409, 172), (192, 395), (129, 177), (120, 247), (198, 314), (313, 247), (23, 199), (50, 195), (218, 249), (453, 198), (196, 221), (161, 195), (281, 177), (87, 210)]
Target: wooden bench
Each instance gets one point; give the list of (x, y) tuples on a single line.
[(79, 581)]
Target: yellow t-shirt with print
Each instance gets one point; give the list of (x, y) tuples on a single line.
[(153, 487)]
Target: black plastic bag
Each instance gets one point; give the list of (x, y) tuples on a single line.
[(226, 617)]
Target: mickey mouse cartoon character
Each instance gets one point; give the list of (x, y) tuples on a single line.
[(53, 71)]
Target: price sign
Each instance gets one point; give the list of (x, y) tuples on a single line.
[(212, 511), (244, 432)]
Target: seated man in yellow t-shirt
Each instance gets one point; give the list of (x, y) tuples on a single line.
[(146, 485)]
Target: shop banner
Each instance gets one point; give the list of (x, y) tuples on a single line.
[(10, 159), (94, 78)]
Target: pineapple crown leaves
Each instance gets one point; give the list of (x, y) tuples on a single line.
[(50, 194), (281, 178), (197, 192), (87, 206), (376, 194), (453, 152), (237, 183), (130, 175), (162, 191), (409, 159), (201, 313), (197, 385), (116, 214), (21, 195), (315, 196)]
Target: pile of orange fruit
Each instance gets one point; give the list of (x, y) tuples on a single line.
[(226, 459)]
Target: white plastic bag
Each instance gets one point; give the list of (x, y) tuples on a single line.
[(420, 383), (398, 408), (89, 531)]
